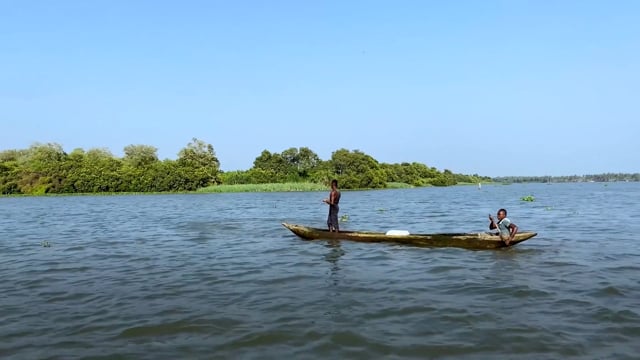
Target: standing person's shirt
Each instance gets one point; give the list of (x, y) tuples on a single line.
[(336, 198), (503, 227)]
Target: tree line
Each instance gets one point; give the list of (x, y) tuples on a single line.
[(47, 168), (352, 168)]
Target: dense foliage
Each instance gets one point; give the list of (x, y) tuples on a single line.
[(47, 168), (353, 169)]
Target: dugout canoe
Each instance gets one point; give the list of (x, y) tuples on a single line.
[(479, 241)]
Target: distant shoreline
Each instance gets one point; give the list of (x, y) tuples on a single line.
[(276, 187), (605, 177), (220, 189)]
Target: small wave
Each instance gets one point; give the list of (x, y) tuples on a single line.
[(607, 292), (443, 269), (66, 297), (616, 316), (163, 329)]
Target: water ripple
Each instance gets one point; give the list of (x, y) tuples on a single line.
[(216, 276)]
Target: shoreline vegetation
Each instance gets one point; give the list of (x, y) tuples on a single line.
[(240, 188), (46, 169), (253, 188), (286, 187), (272, 187)]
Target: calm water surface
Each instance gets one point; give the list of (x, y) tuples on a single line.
[(216, 276)]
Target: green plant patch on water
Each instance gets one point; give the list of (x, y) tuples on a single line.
[(45, 244), (344, 218), (528, 198)]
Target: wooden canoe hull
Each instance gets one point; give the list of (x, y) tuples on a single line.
[(477, 241)]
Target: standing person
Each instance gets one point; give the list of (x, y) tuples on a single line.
[(507, 229), (333, 200)]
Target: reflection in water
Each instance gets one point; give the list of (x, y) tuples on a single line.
[(334, 254), (333, 280)]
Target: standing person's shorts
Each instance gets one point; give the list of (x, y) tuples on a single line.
[(332, 220)]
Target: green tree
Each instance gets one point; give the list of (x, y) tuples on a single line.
[(273, 167), (140, 156), (357, 170), (415, 173), (73, 168), (198, 164), (262, 176), (444, 179), (139, 171), (301, 161), (10, 171), (168, 176), (235, 177), (322, 173), (41, 169), (105, 171)]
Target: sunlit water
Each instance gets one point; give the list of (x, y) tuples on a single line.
[(216, 276)]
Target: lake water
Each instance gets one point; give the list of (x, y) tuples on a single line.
[(215, 276)]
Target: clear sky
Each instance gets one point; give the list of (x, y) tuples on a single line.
[(488, 87)]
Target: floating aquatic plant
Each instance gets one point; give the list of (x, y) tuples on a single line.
[(528, 198), (382, 209), (344, 218), (45, 244)]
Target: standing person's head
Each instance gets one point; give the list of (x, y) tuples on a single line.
[(334, 184), (502, 213)]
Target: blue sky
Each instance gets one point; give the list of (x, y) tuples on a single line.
[(488, 87)]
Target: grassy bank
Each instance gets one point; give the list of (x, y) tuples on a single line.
[(285, 187), (483, 183), (398, 185)]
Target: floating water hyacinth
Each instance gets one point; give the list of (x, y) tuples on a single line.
[(528, 198), (45, 244), (382, 209), (344, 218)]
